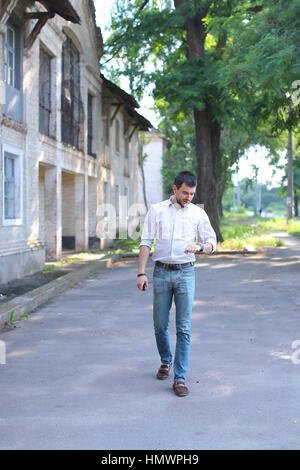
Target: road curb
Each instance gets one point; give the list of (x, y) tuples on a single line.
[(36, 297)]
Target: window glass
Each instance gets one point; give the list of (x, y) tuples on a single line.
[(11, 186)]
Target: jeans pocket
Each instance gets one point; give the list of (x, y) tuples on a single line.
[(157, 271), (189, 271)]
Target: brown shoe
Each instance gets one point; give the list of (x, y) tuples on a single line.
[(163, 371), (180, 389)]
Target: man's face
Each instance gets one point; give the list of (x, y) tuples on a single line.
[(184, 194)]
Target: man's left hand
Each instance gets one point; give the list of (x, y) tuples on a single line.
[(193, 248)]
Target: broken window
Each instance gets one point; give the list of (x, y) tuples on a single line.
[(72, 108), (106, 120), (10, 56), (44, 92), (91, 126), (13, 70)]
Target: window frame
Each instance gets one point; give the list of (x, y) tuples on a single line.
[(12, 50), (17, 155), (105, 108), (71, 96), (91, 124), (51, 103), (126, 156), (13, 103), (117, 136)]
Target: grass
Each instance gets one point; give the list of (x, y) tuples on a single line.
[(48, 269), (239, 230), (126, 246), (280, 223), (11, 322)]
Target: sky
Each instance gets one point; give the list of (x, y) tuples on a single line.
[(103, 8), (255, 156)]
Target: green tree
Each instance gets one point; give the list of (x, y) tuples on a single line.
[(180, 151), (229, 63)]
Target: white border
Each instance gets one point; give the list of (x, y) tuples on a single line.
[(19, 153)]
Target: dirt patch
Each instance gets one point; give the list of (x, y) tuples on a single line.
[(27, 283)]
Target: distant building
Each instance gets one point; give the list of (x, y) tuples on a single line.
[(153, 147), (68, 136)]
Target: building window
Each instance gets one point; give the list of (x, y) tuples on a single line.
[(13, 71), (10, 56), (45, 92), (72, 109), (9, 187), (91, 126), (117, 136), (126, 157), (106, 130), (106, 121), (12, 186)]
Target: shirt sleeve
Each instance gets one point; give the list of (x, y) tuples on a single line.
[(206, 232), (148, 233)]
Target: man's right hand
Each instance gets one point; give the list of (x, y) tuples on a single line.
[(141, 280)]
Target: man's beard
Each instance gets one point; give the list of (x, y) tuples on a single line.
[(181, 203), (178, 201)]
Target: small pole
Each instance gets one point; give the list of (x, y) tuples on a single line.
[(290, 192)]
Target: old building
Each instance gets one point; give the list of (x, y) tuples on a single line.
[(68, 136)]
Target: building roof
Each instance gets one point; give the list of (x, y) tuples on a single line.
[(124, 97), (63, 8), (143, 123), (129, 102)]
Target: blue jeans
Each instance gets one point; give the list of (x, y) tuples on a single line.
[(180, 285)]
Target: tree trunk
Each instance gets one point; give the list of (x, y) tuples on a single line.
[(207, 132), (290, 194), (207, 148)]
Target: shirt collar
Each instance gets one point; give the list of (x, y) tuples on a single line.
[(177, 206)]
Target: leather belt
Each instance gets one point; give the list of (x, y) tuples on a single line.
[(173, 267)]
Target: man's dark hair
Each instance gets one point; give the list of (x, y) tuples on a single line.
[(185, 177)]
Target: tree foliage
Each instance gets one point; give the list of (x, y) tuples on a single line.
[(224, 66)]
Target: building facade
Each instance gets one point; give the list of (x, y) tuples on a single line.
[(68, 136)]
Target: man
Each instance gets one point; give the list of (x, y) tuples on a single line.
[(174, 224)]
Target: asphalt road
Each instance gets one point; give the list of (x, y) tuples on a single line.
[(80, 371)]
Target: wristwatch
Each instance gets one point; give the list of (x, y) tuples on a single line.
[(201, 247)]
